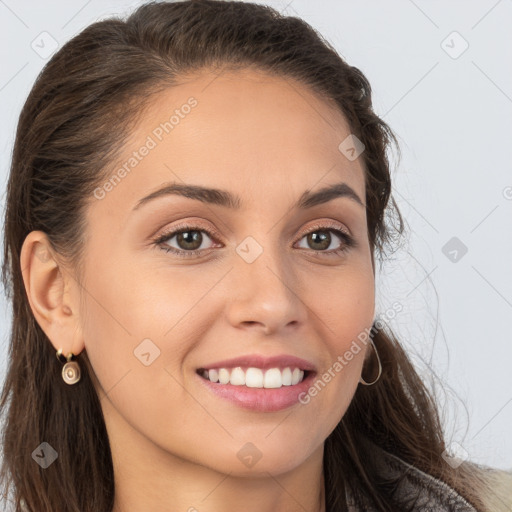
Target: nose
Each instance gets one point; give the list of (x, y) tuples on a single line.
[(266, 294)]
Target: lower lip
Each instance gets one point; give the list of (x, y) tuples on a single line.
[(260, 399)]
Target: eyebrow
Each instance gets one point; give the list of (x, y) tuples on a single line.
[(224, 198)]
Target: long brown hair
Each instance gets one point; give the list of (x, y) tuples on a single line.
[(73, 124)]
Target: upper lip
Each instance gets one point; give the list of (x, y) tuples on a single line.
[(263, 362)]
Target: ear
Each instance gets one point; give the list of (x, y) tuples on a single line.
[(48, 289)]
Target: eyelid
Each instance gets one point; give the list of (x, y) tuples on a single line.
[(327, 223), (192, 224)]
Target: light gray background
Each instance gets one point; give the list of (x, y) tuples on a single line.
[(452, 112)]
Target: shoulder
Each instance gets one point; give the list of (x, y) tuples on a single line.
[(497, 495), (418, 491)]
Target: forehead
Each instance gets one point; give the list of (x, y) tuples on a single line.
[(259, 135), (249, 106)]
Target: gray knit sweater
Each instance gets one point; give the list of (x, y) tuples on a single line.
[(419, 491)]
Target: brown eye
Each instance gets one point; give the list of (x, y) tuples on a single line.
[(320, 239), (188, 240)]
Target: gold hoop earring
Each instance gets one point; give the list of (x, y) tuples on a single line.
[(70, 370), (361, 380)]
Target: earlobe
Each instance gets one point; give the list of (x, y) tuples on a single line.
[(46, 289)]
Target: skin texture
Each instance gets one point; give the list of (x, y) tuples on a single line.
[(174, 443)]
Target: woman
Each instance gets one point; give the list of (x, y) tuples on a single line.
[(172, 175)]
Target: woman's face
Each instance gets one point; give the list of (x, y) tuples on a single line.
[(264, 274)]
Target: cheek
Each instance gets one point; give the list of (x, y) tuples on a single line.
[(348, 307), (346, 315), (135, 338), (126, 315), (140, 323)]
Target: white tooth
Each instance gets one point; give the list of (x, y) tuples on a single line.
[(287, 377), (254, 378), (272, 378), (223, 376), (237, 377)]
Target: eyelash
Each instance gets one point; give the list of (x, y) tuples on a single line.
[(348, 241)]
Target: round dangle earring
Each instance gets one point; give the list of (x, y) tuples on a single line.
[(71, 370)]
